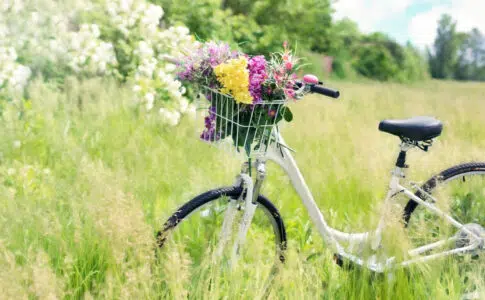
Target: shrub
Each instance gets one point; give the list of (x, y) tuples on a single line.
[(114, 38)]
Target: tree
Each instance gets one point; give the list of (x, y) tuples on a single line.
[(345, 35), (307, 23), (471, 58), (375, 57), (464, 64), (443, 59), (415, 67), (237, 6)]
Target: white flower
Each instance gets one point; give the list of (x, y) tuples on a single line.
[(170, 117), (136, 88), (89, 54), (17, 144), (95, 30), (125, 5), (35, 17), (13, 76), (144, 50), (184, 104), (152, 16), (170, 67), (11, 171), (191, 111), (102, 67), (149, 98)]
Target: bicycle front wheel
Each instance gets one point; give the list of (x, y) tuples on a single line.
[(194, 230)]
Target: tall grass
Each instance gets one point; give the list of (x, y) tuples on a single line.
[(86, 180)]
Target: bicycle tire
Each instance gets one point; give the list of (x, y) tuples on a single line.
[(233, 192)]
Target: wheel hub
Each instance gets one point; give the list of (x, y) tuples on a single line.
[(464, 239)]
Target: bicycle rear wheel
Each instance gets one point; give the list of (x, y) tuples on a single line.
[(195, 229), (460, 192)]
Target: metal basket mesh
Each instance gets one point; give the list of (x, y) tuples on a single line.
[(238, 128)]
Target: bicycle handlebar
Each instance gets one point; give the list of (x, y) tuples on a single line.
[(315, 86), (325, 91)]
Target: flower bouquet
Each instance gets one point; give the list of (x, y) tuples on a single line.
[(246, 96)]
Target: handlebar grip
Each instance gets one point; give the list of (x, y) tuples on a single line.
[(325, 91)]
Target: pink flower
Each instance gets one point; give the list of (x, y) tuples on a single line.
[(290, 93), (289, 65)]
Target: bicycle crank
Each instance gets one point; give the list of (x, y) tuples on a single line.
[(463, 239)]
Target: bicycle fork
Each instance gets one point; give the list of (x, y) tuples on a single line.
[(252, 190)]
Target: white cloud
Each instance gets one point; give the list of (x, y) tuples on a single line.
[(369, 13), (467, 13), (422, 27)]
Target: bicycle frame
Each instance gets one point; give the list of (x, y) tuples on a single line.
[(281, 155)]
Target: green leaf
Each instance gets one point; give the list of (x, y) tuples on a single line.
[(244, 137), (287, 114)]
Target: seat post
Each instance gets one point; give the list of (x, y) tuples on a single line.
[(401, 159)]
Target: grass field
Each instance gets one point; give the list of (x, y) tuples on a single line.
[(86, 180)]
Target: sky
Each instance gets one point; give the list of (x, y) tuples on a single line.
[(411, 20)]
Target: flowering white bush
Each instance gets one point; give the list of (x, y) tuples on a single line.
[(154, 81), (13, 76), (12, 5), (115, 37), (176, 41), (133, 17), (39, 35), (88, 54)]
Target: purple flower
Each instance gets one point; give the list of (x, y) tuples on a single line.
[(186, 73), (257, 76), (217, 53), (209, 134), (198, 66)]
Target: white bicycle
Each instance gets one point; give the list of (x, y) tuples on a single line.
[(445, 216)]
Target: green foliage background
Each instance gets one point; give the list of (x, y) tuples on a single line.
[(261, 27)]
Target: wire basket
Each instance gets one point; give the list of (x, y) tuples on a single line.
[(247, 129)]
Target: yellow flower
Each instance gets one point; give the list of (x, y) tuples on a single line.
[(234, 77)]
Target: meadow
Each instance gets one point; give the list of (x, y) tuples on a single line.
[(87, 179)]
